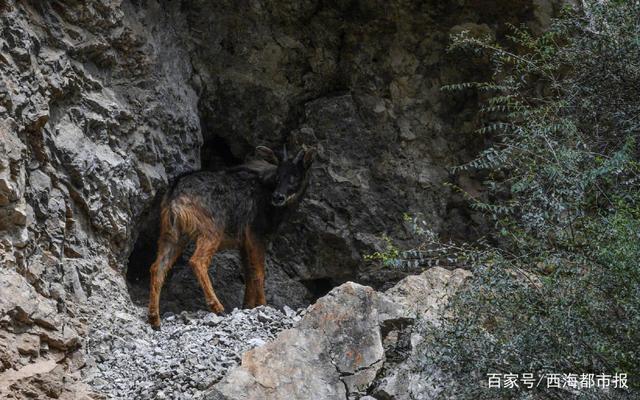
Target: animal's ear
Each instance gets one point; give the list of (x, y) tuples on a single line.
[(267, 155), (306, 157)]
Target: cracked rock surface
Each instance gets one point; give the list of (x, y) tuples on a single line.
[(333, 353), (340, 348)]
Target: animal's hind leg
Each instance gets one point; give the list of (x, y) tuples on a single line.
[(253, 253), (206, 247), (168, 253)]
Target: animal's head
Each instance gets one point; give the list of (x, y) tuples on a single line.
[(291, 175)]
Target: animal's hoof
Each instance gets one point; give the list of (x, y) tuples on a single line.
[(154, 321), (217, 308), (247, 306)]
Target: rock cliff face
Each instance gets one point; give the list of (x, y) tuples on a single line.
[(95, 116), (103, 102)]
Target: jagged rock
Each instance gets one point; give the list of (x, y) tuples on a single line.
[(34, 344), (21, 303), (338, 349), (28, 344), (42, 380), (426, 295), (334, 352), (82, 150)]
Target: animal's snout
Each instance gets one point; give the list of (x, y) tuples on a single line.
[(278, 199)]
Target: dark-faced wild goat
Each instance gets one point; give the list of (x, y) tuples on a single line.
[(240, 207)]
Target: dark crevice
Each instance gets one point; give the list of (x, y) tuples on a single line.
[(181, 291), (216, 154), (319, 286), (144, 249)]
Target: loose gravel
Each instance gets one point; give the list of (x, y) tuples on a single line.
[(191, 352)]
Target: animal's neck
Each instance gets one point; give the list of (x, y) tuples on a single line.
[(275, 216), (279, 215)]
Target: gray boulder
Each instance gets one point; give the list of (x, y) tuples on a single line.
[(333, 353), (339, 349), (427, 295)]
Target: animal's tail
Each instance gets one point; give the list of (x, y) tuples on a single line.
[(183, 216), (169, 215), (169, 230)]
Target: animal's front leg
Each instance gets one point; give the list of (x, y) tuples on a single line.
[(253, 260), (199, 262)]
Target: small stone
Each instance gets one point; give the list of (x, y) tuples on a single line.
[(256, 342), (28, 345), (263, 317), (288, 311), (212, 319), (44, 347)]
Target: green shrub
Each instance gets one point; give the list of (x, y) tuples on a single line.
[(556, 287)]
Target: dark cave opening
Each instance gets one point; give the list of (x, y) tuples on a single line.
[(145, 247), (181, 290), (319, 286)]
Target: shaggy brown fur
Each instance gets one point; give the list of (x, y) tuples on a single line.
[(237, 208)]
